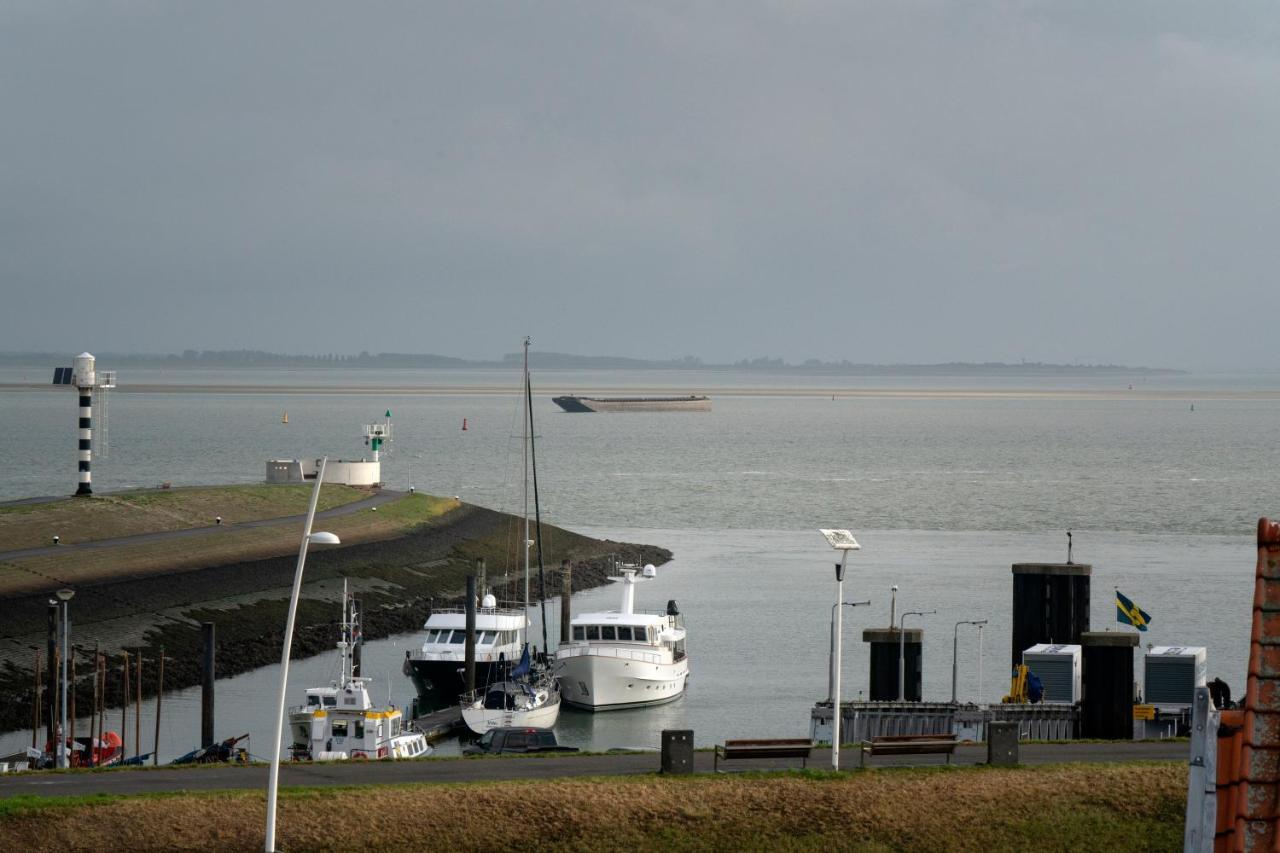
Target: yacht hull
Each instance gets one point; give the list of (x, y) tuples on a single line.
[(598, 683), (440, 683), (480, 720)]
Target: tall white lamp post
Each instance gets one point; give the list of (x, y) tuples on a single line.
[(902, 650), (320, 538), (842, 541), (980, 627), (955, 647), (61, 755)]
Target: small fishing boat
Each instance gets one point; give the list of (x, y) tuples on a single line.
[(226, 751), (340, 722)]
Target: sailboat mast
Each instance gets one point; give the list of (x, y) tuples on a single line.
[(524, 447), (343, 678), (537, 512)]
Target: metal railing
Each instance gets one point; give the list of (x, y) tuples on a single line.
[(609, 652)]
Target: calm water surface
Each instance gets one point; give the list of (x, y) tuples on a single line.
[(943, 493)]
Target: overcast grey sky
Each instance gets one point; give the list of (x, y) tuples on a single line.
[(898, 181)]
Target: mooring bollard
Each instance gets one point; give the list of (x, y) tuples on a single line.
[(677, 751), (1002, 743)]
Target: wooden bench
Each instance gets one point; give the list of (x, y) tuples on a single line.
[(933, 744), (778, 748)]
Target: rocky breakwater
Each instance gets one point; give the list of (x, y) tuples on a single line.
[(398, 580)]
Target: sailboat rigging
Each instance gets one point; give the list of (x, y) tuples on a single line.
[(529, 695)]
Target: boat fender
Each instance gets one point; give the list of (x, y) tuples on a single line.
[(672, 609)]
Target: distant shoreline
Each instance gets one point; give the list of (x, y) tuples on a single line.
[(256, 359), (838, 392)]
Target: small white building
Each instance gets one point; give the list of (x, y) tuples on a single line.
[(353, 472)]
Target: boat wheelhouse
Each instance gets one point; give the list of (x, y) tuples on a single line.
[(624, 658), (339, 723)]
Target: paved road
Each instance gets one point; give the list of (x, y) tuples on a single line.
[(380, 498), (131, 781)]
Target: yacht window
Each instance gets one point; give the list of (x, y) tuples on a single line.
[(458, 638), (395, 726), (331, 701), (485, 638), (624, 632), (579, 632), (608, 633), (313, 700), (302, 733), (593, 632), (339, 728), (359, 729)]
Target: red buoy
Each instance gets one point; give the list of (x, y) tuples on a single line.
[(464, 424)]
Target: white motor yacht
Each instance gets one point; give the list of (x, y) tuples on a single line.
[(624, 658)]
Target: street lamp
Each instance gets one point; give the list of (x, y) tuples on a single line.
[(955, 645), (60, 756), (980, 664), (902, 650), (832, 651), (320, 538), (842, 541)]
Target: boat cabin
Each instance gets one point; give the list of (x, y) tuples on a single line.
[(499, 633), (341, 722)]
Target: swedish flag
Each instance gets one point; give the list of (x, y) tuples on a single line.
[(1130, 613)]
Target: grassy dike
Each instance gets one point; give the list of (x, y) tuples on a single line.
[(400, 560), (1132, 807)]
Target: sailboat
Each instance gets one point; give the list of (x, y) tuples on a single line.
[(529, 695)]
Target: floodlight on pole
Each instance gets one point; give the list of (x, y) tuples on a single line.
[(902, 650), (842, 541), (320, 538), (955, 646)]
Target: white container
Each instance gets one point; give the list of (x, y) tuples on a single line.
[(1170, 675), (1057, 665)]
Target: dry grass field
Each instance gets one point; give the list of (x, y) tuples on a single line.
[(1131, 807), (152, 510)]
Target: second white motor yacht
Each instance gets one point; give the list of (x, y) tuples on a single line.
[(624, 658)]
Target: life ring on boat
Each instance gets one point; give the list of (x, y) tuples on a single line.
[(363, 756)]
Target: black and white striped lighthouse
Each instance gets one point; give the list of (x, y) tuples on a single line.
[(84, 376)]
